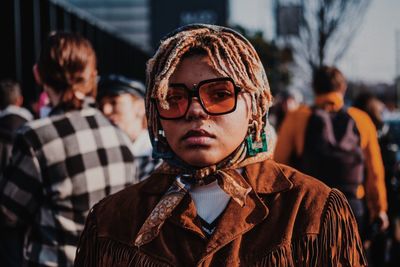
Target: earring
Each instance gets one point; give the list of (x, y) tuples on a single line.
[(254, 147)]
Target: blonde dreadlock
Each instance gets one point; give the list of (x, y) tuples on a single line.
[(230, 54)]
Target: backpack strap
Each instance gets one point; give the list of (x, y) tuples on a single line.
[(349, 134), (330, 134)]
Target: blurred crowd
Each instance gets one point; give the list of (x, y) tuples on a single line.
[(88, 138), (78, 150), (316, 139)]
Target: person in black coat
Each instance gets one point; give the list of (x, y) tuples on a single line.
[(12, 116)]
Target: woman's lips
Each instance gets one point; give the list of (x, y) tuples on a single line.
[(197, 138)]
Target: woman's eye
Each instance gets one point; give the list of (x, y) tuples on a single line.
[(174, 98), (221, 94)]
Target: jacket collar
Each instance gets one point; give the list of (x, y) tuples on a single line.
[(332, 101), (267, 178), (16, 110), (87, 102)]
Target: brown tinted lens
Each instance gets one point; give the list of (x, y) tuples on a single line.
[(218, 96), (177, 99)]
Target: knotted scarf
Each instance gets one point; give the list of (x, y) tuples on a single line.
[(229, 179)]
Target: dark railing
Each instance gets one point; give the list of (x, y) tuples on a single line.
[(25, 23)]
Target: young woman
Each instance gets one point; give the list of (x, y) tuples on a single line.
[(218, 199)]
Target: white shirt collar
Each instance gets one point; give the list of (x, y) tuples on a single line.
[(142, 145), (15, 110)]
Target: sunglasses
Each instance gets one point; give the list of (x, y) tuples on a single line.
[(216, 96)]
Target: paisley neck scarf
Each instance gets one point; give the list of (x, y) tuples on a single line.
[(229, 179)]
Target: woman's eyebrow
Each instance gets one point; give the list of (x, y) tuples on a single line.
[(190, 88)]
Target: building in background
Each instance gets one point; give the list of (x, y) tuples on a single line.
[(131, 18), (144, 22), (27, 23), (168, 15)]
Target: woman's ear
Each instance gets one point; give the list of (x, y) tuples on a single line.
[(36, 75)]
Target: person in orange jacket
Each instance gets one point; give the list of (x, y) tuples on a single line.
[(329, 93)]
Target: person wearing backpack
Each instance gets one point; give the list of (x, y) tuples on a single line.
[(339, 145)]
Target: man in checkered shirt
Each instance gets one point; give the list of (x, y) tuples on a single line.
[(62, 165)]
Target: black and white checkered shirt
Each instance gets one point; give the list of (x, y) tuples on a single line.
[(61, 166), (145, 166), (144, 162)]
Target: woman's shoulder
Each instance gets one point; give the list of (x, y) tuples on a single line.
[(296, 120), (313, 194), (294, 188), (51, 126), (303, 182), (276, 175), (134, 195), (319, 213), (303, 111)]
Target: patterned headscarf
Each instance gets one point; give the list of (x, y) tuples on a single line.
[(233, 56)]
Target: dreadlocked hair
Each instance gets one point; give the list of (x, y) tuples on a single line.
[(230, 55)]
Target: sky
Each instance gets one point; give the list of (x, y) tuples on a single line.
[(371, 56)]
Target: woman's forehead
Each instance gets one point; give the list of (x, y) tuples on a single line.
[(194, 69)]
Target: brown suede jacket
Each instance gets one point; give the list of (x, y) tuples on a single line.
[(289, 219)]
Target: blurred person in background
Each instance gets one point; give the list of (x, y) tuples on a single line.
[(122, 102), (218, 199), (385, 248), (65, 163), (12, 117), (43, 105), (285, 101), (337, 144)]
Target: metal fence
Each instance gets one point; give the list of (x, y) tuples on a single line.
[(25, 23)]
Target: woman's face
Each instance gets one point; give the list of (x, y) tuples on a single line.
[(198, 138)]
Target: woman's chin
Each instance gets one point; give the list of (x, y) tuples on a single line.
[(200, 163), (200, 159)]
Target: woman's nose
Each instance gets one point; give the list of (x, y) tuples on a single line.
[(195, 110)]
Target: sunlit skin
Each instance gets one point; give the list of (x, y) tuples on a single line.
[(125, 111), (201, 139)]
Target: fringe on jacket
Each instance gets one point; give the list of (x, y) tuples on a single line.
[(336, 245)]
